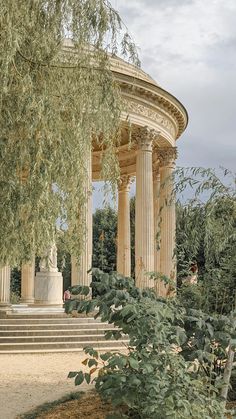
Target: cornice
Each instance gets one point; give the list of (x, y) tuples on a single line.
[(156, 96)]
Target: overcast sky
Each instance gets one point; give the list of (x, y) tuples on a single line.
[(189, 48)]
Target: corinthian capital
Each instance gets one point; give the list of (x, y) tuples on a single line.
[(145, 137), (167, 155), (124, 183)]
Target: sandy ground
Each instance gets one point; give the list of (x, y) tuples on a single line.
[(29, 380)]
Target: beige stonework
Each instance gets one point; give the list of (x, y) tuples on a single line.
[(48, 281), (167, 158), (144, 221), (79, 270), (151, 119), (27, 282), (156, 206), (123, 228), (5, 278)]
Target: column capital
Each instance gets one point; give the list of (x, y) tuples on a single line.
[(167, 156), (144, 137), (124, 183)]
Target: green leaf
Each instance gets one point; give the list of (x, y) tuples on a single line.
[(106, 356), (87, 377), (72, 374), (133, 363), (210, 329), (79, 378), (92, 362)]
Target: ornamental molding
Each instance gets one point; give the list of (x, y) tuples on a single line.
[(158, 97), (167, 155), (153, 115)]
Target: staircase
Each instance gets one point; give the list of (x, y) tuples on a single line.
[(20, 333)]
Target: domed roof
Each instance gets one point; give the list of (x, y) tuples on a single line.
[(139, 84), (118, 65)]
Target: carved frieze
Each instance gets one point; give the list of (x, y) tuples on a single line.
[(140, 109)]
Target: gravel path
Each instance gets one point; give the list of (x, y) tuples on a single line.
[(28, 380)]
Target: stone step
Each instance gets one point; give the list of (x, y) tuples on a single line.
[(44, 333), (26, 314), (59, 338), (49, 326), (54, 332), (41, 320), (26, 310), (114, 348), (62, 346)]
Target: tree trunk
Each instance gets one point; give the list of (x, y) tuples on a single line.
[(227, 374)]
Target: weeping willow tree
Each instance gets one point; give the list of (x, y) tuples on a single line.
[(55, 103), (206, 235)]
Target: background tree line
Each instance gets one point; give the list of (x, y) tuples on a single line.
[(216, 266)]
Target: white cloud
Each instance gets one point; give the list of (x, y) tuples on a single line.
[(189, 47)]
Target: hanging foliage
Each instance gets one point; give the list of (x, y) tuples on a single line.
[(57, 99)]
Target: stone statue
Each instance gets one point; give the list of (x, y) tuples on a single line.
[(48, 262)]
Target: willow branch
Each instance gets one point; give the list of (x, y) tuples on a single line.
[(60, 66)]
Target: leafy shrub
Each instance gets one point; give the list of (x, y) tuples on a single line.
[(167, 370)]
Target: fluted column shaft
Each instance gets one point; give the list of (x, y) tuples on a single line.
[(79, 275), (27, 282), (144, 225), (167, 214), (156, 206), (5, 278), (123, 235)]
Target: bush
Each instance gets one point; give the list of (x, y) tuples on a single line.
[(158, 376)]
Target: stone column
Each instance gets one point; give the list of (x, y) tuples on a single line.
[(123, 234), (167, 158), (5, 279), (48, 281), (144, 223), (79, 271), (156, 210), (27, 282)]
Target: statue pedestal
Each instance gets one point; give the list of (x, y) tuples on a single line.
[(48, 289)]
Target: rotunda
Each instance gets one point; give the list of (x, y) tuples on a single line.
[(155, 119)]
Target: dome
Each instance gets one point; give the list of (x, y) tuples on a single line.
[(118, 65)]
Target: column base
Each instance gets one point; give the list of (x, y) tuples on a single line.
[(48, 289), (26, 300), (5, 309)]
